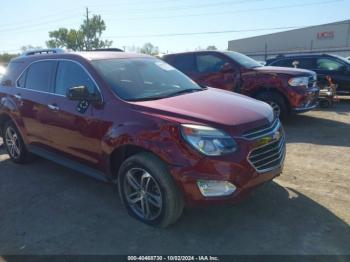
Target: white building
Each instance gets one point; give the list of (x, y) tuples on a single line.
[(331, 38)]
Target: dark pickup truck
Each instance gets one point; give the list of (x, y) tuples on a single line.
[(285, 89)]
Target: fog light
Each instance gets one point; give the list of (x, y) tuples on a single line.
[(211, 188)]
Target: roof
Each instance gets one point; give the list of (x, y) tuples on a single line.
[(100, 55), (194, 52)]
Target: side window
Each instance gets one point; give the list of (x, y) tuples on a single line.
[(22, 80), (209, 63), (40, 76), (70, 74), (328, 64), (185, 63), (284, 63), (306, 63)]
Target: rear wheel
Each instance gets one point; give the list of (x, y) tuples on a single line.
[(14, 143), (148, 191), (277, 102)]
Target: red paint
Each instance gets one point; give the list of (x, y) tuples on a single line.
[(153, 126), (252, 81)]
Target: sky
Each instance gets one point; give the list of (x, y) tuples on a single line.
[(167, 24)]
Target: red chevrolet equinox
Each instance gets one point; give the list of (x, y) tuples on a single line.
[(142, 125)]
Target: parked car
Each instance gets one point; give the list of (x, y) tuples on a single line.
[(337, 67), (137, 122), (286, 90)]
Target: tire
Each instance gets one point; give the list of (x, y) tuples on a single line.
[(277, 102), (14, 144), (154, 198)]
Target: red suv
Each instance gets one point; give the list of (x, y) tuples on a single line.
[(285, 89), (138, 123)]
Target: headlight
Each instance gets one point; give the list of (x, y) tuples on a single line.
[(208, 140), (299, 81)]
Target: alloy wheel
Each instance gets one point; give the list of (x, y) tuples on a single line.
[(276, 108), (143, 194), (13, 143)]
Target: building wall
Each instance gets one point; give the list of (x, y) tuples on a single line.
[(328, 38)]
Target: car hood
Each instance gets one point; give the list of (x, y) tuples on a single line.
[(284, 70), (212, 106)]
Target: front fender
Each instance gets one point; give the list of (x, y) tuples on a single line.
[(161, 138)]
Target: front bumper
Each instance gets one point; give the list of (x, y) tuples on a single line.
[(248, 181), (260, 159), (306, 100)]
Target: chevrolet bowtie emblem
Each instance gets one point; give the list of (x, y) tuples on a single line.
[(276, 136)]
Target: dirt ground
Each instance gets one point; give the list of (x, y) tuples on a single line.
[(48, 209)]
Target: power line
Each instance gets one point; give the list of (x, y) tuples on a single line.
[(28, 22), (206, 33), (227, 12), (195, 6)]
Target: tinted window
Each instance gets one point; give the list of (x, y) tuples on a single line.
[(40, 76), (243, 60), (208, 63), (185, 63), (284, 63), (144, 78), (70, 74), (306, 63), (328, 64)]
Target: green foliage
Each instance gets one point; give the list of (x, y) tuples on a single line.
[(149, 49), (88, 37), (212, 48), (5, 58), (29, 47)]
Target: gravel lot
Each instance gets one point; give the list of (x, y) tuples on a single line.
[(48, 209)]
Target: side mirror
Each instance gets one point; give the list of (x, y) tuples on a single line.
[(79, 93), (227, 68)]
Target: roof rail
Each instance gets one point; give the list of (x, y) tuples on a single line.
[(43, 51), (108, 50)]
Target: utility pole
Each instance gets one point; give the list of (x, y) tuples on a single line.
[(87, 30)]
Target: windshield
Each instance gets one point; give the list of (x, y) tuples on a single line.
[(243, 60), (139, 79), (342, 59)]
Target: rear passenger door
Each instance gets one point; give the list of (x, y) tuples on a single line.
[(74, 131), (31, 96)]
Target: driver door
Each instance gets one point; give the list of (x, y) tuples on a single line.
[(73, 128), (211, 72)]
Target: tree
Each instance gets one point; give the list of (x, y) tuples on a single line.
[(6, 57), (212, 47), (149, 49), (29, 47), (88, 37)]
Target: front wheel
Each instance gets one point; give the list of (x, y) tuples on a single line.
[(148, 191), (277, 102)]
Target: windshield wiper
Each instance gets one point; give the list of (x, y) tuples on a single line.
[(185, 91)]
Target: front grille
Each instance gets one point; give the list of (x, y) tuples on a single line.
[(263, 131), (269, 156)]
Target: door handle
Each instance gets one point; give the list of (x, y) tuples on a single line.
[(18, 97), (53, 107)]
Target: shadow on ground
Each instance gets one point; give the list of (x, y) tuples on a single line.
[(47, 209)]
